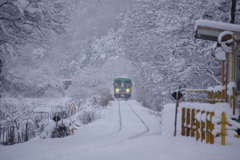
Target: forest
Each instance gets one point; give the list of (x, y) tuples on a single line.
[(46, 44)]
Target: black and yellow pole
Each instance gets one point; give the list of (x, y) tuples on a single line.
[(177, 95), (175, 123)]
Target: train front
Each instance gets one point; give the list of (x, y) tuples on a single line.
[(122, 88)]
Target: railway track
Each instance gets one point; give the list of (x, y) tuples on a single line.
[(147, 128), (120, 117), (124, 127)]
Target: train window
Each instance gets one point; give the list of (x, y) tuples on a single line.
[(116, 83), (122, 84), (128, 83)]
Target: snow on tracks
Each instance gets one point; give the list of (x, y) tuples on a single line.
[(147, 128), (121, 124)]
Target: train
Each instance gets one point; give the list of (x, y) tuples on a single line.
[(122, 88)]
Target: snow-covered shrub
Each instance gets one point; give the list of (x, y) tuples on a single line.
[(103, 98), (18, 123), (50, 130), (62, 131), (42, 124), (88, 116)]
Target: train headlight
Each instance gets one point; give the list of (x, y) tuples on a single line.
[(117, 89), (128, 90)]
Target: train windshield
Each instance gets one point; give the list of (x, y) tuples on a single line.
[(117, 83), (122, 83), (128, 83)]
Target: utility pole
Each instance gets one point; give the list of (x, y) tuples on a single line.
[(175, 122), (177, 95), (233, 10)]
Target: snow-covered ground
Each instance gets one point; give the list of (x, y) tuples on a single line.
[(127, 131)]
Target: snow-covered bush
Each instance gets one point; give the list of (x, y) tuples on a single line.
[(18, 123), (103, 98), (87, 112), (50, 131), (89, 116), (62, 131)]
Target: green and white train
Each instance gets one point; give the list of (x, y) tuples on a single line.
[(122, 88)]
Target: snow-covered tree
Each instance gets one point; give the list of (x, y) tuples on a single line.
[(25, 26), (94, 81), (158, 37)]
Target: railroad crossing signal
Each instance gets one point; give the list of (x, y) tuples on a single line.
[(177, 95), (56, 118), (69, 109)]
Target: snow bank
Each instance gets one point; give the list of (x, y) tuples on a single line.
[(168, 119)]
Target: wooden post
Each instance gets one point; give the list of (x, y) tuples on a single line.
[(209, 96), (183, 122), (202, 128), (211, 128), (219, 95), (197, 127), (193, 122), (188, 122), (207, 139), (223, 129)]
